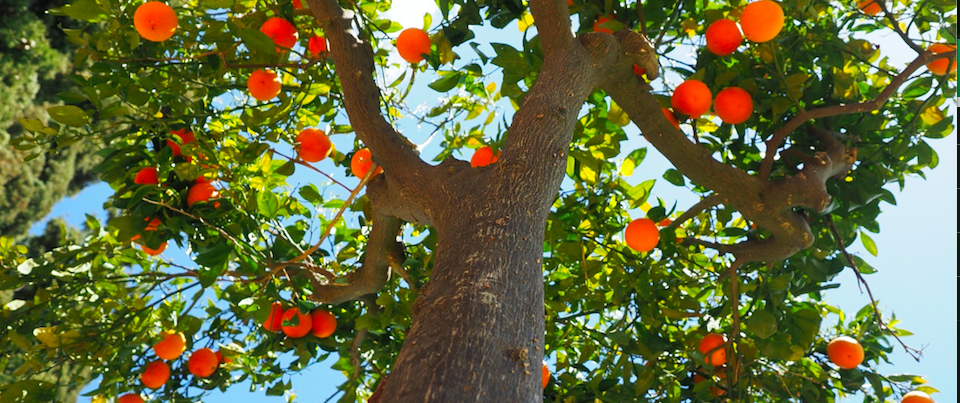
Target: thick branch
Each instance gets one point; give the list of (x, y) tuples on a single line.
[(780, 135), (353, 59), (553, 24)]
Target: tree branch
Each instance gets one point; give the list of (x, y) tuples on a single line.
[(703, 204), (780, 135), (553, 24), (353, 59), (915, 353)]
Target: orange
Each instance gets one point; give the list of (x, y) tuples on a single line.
[(264, 85), (714, 350), (483, 157), (544, 375), (412, 44), (172, 345), (642, 235), (283, 33), (715, 391), (201, 192), (203, 362), (761, 21), (324, 323), (691, 98), (723, 37), (869, 7), (303, 326), (313, 145), (155, 21), (597, 26), (317, 45), (155, 374), (733, 105), (154, 252), (297, 5), (275, 318), (146, 176), (639, 71), (130, 398), (845, 351), (361, 162), (671, 117), (183, 138), (941, 66), (916, 397), (152, 225), (221, 359), (665, 222)]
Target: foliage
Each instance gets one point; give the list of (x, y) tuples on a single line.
[(621, 326)]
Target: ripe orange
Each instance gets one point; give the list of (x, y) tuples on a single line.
[(761, 21), (313, 145), (203, 362), (603, 19), (154, 252), (155, 374), (317, 45), (733, 105), (303, 326), (691, 98), (172, 345), (201, 192), (222, 359), (146, 176), (642, 235), (639, 71), (361, 162), (483, 157), (412, 44), (297, 5), (283, 33), (723, 37), (714, 350), (916, 397), (714, 390), (130, 398), (845, 351), (869, 7), (671, 117), (324, 323), (155, 21), (544, 375), (183, 138), (665, 222), (940, 67), (275, 318), (264, 85)]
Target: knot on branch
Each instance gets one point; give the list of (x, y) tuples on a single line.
[(636, 48)]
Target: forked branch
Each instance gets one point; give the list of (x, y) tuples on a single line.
[(353, 59)]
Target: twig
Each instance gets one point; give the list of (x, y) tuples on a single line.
[(735, 302), (780, 135), (896, 26), (310, 166), (915, 353), (703, 204)]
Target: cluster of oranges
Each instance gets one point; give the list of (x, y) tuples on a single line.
[(320, 323), (202, 363)]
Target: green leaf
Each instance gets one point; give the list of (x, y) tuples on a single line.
[(257, 41), (311, 194), (446, 82), (673, 176), (868, 243), (762, 324), (69, 115), (84, 10), (268, 203)]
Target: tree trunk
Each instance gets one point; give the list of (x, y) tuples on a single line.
[(478, 326)]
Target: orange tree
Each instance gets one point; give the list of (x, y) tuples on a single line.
[(452, 283)]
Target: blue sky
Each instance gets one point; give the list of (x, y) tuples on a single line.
[(917, 243)]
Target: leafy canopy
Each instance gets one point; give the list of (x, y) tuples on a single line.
[(621, 325)]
